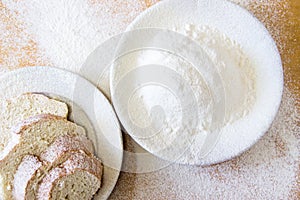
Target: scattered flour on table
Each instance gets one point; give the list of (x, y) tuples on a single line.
[(266, 171), (68, 31)]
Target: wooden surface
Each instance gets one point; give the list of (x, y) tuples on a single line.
[(291, 56)]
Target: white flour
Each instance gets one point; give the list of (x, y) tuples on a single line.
[(234, 66), (175, 134), (70, 30), (267, 171)]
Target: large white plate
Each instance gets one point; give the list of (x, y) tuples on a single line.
[(239, 25), (88, 106)]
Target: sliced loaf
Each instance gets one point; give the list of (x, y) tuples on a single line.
[(57, 153), (22, 107), (32, 137), (77, 178)]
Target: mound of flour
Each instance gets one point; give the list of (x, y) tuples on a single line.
[(234, 67), (173, 134)]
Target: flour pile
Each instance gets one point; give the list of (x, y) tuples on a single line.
[(178, 133)]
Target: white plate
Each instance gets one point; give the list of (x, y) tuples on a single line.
[(89, 108), (239, 25)]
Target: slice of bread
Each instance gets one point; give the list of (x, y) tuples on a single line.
[(64, 146), (27, 170), (25, 186), (22, 107), (32, 137), (77, 178)]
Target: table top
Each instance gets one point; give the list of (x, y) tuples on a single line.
[(258, 173), (294, 44)]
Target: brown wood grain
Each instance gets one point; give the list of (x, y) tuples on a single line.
[(293, 65), (282, 19)]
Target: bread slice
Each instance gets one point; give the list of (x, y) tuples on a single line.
[(77, 178), (32, 137), (30, 171), (64, 146), (22, 107), (29, 168)]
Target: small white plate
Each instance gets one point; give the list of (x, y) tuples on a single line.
[(240, 26), (89, 108)]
